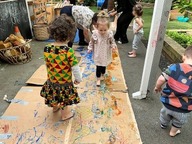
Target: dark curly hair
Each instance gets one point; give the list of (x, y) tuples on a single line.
[(138, 9), (63, 28)]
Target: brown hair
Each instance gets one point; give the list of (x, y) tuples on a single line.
[(94, 19), (138, 9), (188, 52), (102, 18), (62, 28)]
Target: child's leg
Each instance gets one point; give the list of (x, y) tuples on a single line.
[(174, 131), (178, 120), (103, 69), (165, 118), (98, 74), (98, 71), (135, 45), (56, 108), (66, 113)]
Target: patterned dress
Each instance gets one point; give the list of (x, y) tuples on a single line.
[(59, 89), (102, 48)]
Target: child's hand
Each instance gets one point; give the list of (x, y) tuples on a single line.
[(114, 49), (113, 13), (157, 89), (135, 31), (76, 82), (89, 51)]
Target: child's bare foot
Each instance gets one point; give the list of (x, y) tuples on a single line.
[(98, 82), (55, 109), (130, 53), (66, 113), (174, 131), (133, 55), (67, 116), (102, 77)]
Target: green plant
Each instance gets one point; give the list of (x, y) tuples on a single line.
[(183, 6), (182, 38), (148, 1), (89, 2)]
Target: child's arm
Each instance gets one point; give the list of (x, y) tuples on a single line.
[(77, 74), (140, 23), (160, 81), (73, 62), (91, 45), (112, 42)]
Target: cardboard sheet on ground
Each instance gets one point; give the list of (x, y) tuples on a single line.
[(39, 76), (33, 122), (104, 116)]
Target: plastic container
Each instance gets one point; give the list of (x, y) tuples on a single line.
[(100, 3), (182, 19)]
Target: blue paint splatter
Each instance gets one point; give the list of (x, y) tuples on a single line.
[(114, 79), (9, 117), (61, 132), (19, 101), (20, 139), (24, 89), (83, 96), (43, 124), (105, 99), (93, 93), (79, 49), (5, 136), (88, 61), (35, 113), (42, 134)]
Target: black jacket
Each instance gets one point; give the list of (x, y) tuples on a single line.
[(125, 5)]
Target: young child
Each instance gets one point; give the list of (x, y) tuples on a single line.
[(177, 94), (102, 43), (137, 29), (60, 61)]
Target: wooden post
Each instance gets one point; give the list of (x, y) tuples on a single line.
[(30, 23), (154, 48)]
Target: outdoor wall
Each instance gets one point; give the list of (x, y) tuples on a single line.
[(14, 12)]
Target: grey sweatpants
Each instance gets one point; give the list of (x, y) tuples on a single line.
[(178, 119), (136, 40)]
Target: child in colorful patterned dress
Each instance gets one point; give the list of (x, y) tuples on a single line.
[(177, 94), (102, 43), (61, 61)]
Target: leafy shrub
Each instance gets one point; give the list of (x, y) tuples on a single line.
[(182, 38), (89, 2), (148, 1), (183, 6)]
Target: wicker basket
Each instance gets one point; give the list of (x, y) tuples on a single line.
[(18, 54), (41, 31)]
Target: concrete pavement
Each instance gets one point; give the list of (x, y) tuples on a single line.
[(13, 77)]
